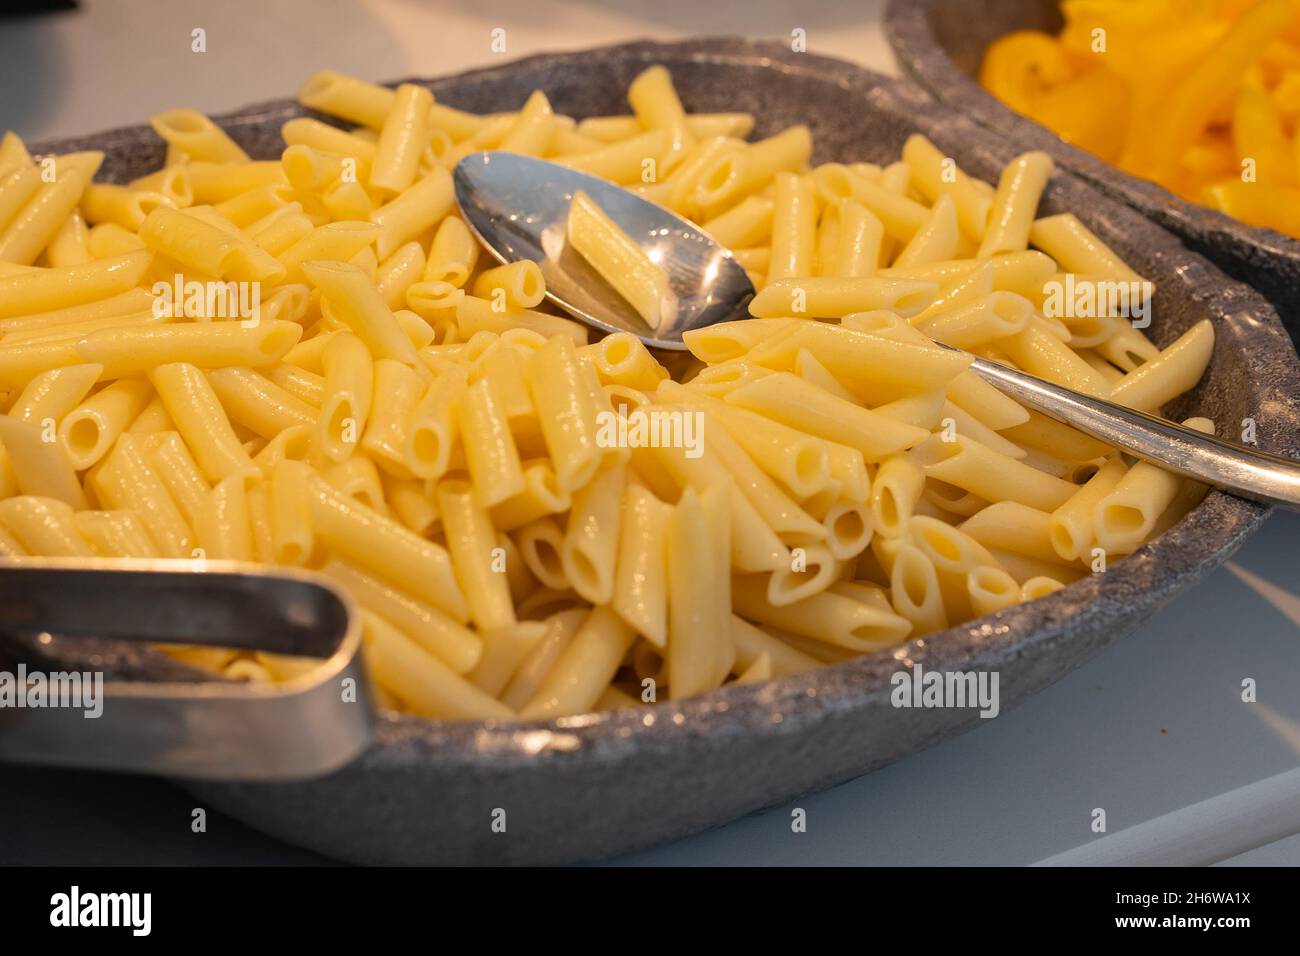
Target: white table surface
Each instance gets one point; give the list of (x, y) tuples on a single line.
[(1153, 724)]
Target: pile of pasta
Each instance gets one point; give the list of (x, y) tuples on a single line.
[(1203, 98), (415, 423)]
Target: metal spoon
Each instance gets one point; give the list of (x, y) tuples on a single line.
[(519, 206)]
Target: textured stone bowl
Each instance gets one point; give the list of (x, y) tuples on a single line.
[(940, 44), (585, 787)]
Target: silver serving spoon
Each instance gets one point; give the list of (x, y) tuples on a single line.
[(519, 207)]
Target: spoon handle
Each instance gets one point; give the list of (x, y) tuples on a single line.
[(1185, 451)]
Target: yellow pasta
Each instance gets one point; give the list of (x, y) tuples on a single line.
[(302, 360)]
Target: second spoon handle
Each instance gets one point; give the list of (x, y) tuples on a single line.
[(1185, 451)]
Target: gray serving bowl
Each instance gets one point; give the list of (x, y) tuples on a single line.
[(585, 787), (940, 44)]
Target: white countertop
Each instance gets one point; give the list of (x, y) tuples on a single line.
[(1153, 724)]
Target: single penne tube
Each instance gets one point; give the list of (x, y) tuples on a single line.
[(533, 129), (858, 358), (130, 302), (592, 540), (132, 350), (895, 491), (990, 589), (1070, 527), (798, 461), (193, 405), (1040, 353), (935, 175), (1020, 272), (66, 288), (986, 320), (520, 284), (127, 207), (471, 542), (200, 138), (725, 341), (622, 359), (175, 467), (221, 528), (399, 272), (700, 653), (385, 548), (1174, 371), (837, 296), (215, 183), (735, 175), (858, 241), (355, 302), (475, 315), (51, 395), (44, 526), (37, 466), (811, 570), (491, 455), (788, 399), (622, 162), (827, 617), (751, 643), (208, 249), (640, 588), (325, 138), (396, 393), (114, 534), (423, 683), (259, 404), (1076, 249), (453, 253), (967, 464), (748, 223), (915, 591), (1124, 517), (413, 211), (1020, 187), (349, 389), (794, 224), (335, 240), (583, 669), (89, 430), (937, 240), (401, 139), (126, 480), (617, 258), (1012, 526), (566, 412), (31, 228)]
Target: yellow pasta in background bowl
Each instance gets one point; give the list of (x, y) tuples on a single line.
[(521, 556)]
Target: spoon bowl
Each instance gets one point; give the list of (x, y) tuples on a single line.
[(518, 207)]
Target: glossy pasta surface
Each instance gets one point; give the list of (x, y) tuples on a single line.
[(305, 361)]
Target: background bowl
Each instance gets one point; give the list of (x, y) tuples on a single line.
[(940, 44), (588, 786)]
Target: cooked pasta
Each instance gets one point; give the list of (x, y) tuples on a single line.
[(533, 524)]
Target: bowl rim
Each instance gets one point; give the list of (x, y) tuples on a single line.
[(926, 62), (789, 705)]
